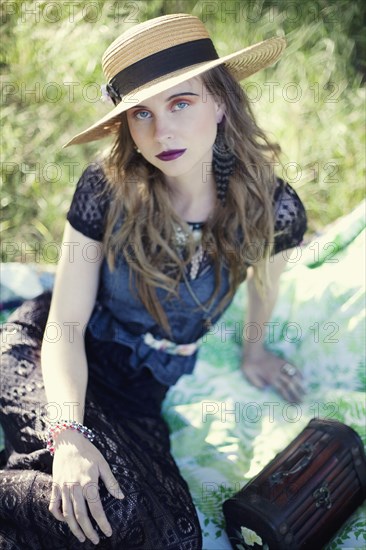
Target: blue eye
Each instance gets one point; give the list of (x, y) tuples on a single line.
[(141, 113), (181, 103)]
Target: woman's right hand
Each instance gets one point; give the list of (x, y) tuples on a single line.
[(77, 466)]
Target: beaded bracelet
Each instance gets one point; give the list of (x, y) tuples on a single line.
[(58, 427)]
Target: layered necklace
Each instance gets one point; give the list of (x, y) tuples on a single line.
[(181, 240), (196, 261)]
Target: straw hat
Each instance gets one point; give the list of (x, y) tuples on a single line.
[(158, 54)]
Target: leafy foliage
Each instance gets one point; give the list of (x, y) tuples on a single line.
[(311, 102)]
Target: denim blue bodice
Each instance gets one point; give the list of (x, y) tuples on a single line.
[(119, 316)]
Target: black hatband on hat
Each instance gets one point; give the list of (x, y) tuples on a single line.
[(158, 64)]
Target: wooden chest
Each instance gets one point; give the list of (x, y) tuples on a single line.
[(304, 495)]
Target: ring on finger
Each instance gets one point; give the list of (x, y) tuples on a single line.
[(289, 370)]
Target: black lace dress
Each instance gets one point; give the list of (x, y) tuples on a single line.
[(124, 411)]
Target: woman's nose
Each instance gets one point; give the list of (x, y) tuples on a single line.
[(163, 129)]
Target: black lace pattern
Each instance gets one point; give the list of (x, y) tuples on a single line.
[(89, 205), (89, 208), (157, 512), (290, 217)]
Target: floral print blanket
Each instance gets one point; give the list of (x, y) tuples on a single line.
[(224, 430)]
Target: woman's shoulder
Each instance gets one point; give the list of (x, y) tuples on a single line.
[(285, 199), (93, 178), (90, 203), (290, 219)]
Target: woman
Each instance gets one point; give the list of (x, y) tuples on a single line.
[(159, 236)]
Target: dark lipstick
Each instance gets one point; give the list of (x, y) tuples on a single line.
[(171, 155)]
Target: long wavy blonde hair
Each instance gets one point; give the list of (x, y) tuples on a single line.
[(238, 234)]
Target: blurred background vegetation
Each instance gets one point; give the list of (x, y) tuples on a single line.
[(311, 102)]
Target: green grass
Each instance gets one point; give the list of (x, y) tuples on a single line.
[(311, 102)]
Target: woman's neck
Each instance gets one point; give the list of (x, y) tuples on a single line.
[(192, 198)]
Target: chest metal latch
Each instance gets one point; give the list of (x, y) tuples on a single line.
[(322, 497)]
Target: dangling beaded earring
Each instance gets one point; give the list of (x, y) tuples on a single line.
[(223, 163)]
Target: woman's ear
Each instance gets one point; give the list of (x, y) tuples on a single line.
[(220, 112)]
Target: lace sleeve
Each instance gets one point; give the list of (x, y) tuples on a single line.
[(89, 205), (290, 217)]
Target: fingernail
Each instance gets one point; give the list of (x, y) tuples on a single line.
[(82, 539), (95, 541), (108, 532)]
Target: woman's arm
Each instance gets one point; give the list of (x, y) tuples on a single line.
[(260, 310), (260, 366), (63, 360), (77, 463)]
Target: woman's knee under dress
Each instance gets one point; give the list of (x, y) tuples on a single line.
[(157, 511)]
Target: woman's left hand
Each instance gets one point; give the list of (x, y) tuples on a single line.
[(265, 369)]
